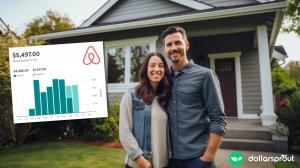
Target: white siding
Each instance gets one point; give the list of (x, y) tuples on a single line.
[(250, 82)]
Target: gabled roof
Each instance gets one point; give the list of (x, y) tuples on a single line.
[(192, 4), (280, 49), (197, 5), (180, 17), (279, 53)]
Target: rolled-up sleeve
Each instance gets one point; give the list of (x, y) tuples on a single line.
[(214, 103), (127, 139)]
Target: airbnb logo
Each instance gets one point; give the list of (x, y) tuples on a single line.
[(91, 56)]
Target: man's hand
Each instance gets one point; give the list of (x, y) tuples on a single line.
[(207, 158), (142, 162), (212, 147)]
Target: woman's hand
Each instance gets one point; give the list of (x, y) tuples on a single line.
[(142, 162)]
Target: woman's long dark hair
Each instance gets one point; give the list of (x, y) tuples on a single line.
[(145, 91)]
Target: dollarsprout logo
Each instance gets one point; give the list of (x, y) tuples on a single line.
[(236, 158)]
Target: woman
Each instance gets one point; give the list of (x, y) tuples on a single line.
[(143, 121)]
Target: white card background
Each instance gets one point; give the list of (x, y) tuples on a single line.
[(77, 64)]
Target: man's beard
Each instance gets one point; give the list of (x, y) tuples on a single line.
[(179, 52)]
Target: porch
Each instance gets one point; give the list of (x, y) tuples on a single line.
[(249, 135)]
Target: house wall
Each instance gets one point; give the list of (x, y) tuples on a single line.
[(137, 9), (250, 82)]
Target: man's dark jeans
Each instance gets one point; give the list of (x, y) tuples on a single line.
[(190, 163), (127, 166)]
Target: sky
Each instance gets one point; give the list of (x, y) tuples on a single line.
[(17, 13)]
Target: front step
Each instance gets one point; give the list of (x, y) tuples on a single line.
[(249, 134), (248, 144)]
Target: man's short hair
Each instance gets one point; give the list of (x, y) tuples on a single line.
[(174, 29)]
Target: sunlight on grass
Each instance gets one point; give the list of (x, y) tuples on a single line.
[(286, 165), (61, 154)]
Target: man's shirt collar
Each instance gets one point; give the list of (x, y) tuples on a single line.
[(185, 69)]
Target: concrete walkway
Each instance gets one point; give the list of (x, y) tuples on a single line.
[(221, 159)]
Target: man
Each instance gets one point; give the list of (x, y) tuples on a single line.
[(196, 111)]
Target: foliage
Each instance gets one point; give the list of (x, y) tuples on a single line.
[(11, 134), (289, 114), (51, 22), (61, 155), (282, 83), (286, 165), (293, 17), (105, 129), (279, 128), (294, 71), (56, 130), (109, 127)]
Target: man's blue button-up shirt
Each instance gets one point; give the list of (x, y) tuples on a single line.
[(195, 110)]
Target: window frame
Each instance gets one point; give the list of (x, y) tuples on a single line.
[(126, 43)]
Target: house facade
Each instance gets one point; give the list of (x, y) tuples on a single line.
[(235, 38)]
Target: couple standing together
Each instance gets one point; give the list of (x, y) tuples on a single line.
[(173, 118)]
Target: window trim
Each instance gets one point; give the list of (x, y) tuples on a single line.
[(126, 43)]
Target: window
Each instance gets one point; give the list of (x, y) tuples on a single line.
[(137, 54), (123, 61), (116, 64)]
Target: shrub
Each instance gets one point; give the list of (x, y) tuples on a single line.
[(109, 127), (282, 83), (290, 114), (106, 129)]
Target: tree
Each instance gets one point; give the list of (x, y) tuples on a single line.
[(294, 71), (10, 133), (51, 22), (281, 82), (293, 17)]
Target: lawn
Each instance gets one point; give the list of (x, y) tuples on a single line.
[(286, 165), (61, 154)]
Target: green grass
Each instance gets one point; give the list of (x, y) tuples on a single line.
[(286, 165), (61, 154)]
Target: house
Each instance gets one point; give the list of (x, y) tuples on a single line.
[(279, 54), (235, 38)]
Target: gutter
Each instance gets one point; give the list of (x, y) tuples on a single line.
[(263, 8)]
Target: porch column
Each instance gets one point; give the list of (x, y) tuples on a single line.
[(268, 115)]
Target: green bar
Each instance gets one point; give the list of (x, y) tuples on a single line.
[(31, 112), (37, 98), (44, 103), (62, 94), (56, 96), (69, 91), (50, 100), (75, 98), (70, 105)]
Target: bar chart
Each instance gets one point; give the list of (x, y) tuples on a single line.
[(64, 82), (58, 99)]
